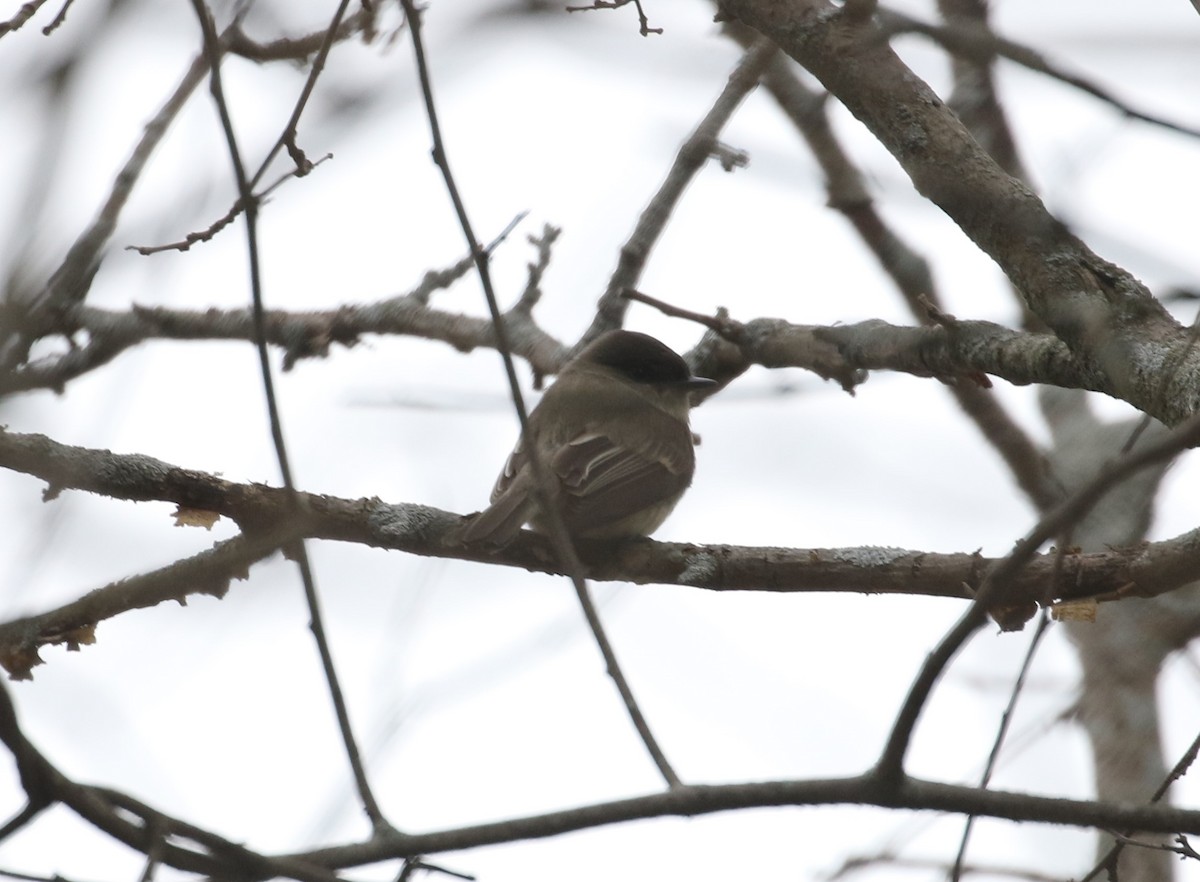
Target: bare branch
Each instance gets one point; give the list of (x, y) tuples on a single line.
[(1109, 859), (209, 572), (299, 48), (297, 551), (561, 541), (908, 270), (1100, 311), (983, 44), (643, 22), (300, 335), (1005, 721), (22, 15), (1146, 570), (225, 220), (38, 314), (993, 595), (693, 153), (288, 137), (137, 825), (693, 800)]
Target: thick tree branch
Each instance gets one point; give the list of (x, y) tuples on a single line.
[(909, 271), (1145, 570), (1102, 313), (952, 351)]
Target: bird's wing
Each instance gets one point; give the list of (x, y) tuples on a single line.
[(604, 477), (606, 480)]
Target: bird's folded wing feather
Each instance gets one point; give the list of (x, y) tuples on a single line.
[(605, 481)]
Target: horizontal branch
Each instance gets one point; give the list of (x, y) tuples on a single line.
[(949, 351), (261, 510), (693, 800), (299, 334), (953, 351)]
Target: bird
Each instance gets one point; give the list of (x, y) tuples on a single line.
[(612, 433)]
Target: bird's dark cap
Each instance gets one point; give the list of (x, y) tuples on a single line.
[(642, 359)]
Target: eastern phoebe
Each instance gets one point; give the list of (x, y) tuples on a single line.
[(613, 435)]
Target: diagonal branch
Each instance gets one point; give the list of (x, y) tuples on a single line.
[(300, 335), (36, 314), (564, 549), (1099, 310), (981, 43), (997, 583), (693, 153), (209, 572), (908, 270), (212, 50), (139, 826)]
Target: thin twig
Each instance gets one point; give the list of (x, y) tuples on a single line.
[(1001, 733), (1180, 769), (643, 22), (894, 862), (412, 865), (297, 550), (27, 11), (58, 20), (288, 137), (225, 220), (558, 533), (533, 286), (693, 153), (733, 331), (983, 43)]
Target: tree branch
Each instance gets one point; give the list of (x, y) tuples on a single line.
[(1103, 314), (1112, 575), (693, 153), (694, 800), (299, 334)]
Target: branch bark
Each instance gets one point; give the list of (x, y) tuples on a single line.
[(264, 513), (1104, 315)]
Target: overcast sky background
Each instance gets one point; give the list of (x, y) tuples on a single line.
[(476, 691)]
